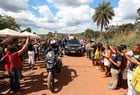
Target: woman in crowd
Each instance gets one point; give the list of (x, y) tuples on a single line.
[(87, 48), (93, 48), (115, 68), (31, 55), (106, 61), (102, 59)]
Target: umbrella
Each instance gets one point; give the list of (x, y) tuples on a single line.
[(28, 34), (10, 32)]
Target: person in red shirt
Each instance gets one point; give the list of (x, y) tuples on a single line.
[(15, 63)]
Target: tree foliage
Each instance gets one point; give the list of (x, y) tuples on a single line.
[(27, 29), (89, 34), (50, 34), (8, 22), (121, 28)]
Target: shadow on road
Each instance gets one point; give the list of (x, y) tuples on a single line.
[(26, 65), (34, 83), (64, 78)]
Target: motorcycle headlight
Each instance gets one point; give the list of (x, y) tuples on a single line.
[(50, 57), (50, 61)]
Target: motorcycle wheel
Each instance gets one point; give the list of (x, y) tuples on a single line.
[(51, 81)]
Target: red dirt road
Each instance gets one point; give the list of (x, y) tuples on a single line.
[(78, 77)]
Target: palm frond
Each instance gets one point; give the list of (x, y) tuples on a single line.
[(103, 14)]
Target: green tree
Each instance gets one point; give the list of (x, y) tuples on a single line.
[(103, 13), (89, 33), (27, 29), (50, 34), (8, 22)]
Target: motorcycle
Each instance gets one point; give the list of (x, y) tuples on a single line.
[(53, 64)]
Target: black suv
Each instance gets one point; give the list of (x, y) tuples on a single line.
[(73, 46)]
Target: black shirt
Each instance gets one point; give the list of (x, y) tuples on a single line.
[(115, 59), (30, 47)]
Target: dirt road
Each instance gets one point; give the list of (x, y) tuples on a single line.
[(78, 77)]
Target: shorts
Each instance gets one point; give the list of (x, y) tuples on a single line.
[(106, 63), (31, 57)]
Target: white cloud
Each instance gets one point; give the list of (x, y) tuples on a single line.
[(74, 16), (71, 2), (77, 28), (46, 13), (14, 5), (34, 7), (126, 12), (68, 19), (69, 30)]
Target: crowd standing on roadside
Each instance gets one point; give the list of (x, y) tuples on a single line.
[(112, 60)]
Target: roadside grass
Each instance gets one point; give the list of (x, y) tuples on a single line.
[(129, 38)]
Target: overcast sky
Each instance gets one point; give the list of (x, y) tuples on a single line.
[(65, 16)]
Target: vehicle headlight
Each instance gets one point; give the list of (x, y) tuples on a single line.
[(66, 47), (79, 47)]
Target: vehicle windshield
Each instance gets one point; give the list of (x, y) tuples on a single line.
[(73, 42)]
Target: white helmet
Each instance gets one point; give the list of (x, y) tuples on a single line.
[(52, 42)]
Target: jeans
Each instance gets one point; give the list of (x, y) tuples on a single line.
[(15, 79), (10, 80)]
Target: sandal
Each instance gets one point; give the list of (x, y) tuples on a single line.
[(111, 88), (109, 83)]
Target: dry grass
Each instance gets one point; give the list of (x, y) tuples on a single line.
[(128, 38)]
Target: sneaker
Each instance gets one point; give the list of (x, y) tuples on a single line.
[(111, 88)]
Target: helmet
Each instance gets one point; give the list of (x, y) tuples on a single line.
[(52, 42)]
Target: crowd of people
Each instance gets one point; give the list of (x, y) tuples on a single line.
[(13, 51), (112, 60)]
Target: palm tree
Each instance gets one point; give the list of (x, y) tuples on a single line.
[(103, 13)]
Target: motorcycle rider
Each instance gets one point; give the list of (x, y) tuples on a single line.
[(54, 47)]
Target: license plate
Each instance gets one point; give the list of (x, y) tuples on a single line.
[(72, 51)]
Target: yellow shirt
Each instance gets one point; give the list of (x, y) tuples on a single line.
[(135, 82), (138, 68)]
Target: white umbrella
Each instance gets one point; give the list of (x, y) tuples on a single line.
[(2, 35), (10, 32), (28, 34)]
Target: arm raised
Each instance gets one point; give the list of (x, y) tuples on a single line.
[(24, 47)]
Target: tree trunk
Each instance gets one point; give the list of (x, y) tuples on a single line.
[(101, 30)]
